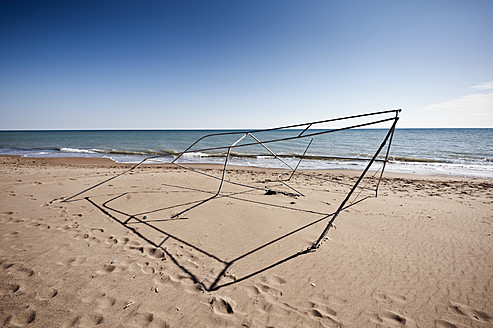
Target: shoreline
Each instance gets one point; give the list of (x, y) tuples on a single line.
[(107, 162)]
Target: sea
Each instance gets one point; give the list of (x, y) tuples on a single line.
[(454, 152)]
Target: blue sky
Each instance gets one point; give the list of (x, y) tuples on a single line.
[(243, 64)]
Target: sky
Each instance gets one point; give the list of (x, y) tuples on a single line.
[(243, 64)]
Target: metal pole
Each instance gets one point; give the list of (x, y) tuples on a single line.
[(220, 185), (341, 206), (301, 135), (302, 156), (212, 197), (384, 163), (270, 151)]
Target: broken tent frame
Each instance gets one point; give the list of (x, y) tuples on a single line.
[(308, 131)]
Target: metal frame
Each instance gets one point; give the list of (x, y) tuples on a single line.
[(390, 116)]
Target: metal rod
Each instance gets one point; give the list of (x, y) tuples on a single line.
[(309, 125), (293, 171), (270, 151), (283, 139), (385, 161), (341, 206), (212, 197), (302, 156), (220, 185), (396, 111), (284, 183)]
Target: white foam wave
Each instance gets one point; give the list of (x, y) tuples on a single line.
[(77, 150), (194, 155)]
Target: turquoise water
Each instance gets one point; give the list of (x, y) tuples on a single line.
[(459, 152)]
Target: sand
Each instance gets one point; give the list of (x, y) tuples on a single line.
[(418, 255)]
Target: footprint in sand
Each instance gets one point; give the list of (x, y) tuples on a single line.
[(105, 302), (87, 236), (388, 318), (322, 308), (10, 235), (40, 225), (265, 286), (21, 318), (135, 267), (8, 288), (146, 268), (155, 253), (444, 324), (7, 216), (47, 294), (145, 319), (384, 297), (273, 280), (135, 247), (111, 241), (88, 320), (327, 320), (73, 261), (165, 279), (64, 228), (23, 272), (4, 265), (472, 313), (173, 280), (8, 213), (222, 305), (140, 319), (106, 269)]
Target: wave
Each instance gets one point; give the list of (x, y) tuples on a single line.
[(77, 150), (415, 160), (148, 152), (170, 153), (192, 154)]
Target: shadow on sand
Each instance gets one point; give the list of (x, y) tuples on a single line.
[(211, 283)]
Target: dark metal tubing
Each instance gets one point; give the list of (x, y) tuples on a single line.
[(270, 151), (258, 142), (341, 206), (301, 158), (396, 111), (309, 125), (294, 171), (385, 161), (212, 197), (275, 140)]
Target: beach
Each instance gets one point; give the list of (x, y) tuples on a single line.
[(418, 255)]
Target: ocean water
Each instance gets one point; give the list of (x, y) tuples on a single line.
[(457, 152)]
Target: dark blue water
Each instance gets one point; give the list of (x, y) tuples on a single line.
[(461, 152)]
